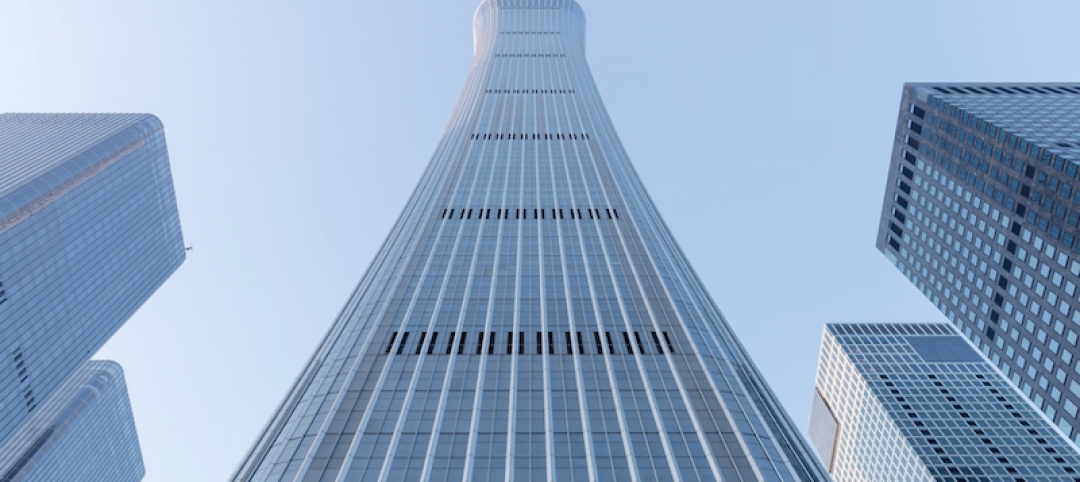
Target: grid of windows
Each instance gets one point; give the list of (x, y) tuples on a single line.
[(89, 230), (576, 346), (83, 432), (981, 214), (917, 403)]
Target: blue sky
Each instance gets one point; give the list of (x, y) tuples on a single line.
[(298, 129)]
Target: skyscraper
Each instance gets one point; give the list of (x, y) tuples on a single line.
[(530, 317), (88, 231), (982, 216), (84, 432), (915, 402)]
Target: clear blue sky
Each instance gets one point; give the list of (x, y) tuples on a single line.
[(298, 129)]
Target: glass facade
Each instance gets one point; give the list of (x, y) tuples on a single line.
[(982, 216), (912, 403), (84, 432), (530, 317), (89, 230)]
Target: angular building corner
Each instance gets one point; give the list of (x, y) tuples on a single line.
[(917, 403), (530, 316), (89, 230), (982, 214), (84, 431)]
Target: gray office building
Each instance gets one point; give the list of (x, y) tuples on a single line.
[(530, 317), (917, 403), (88, 231), (982, 214), (84, 432)]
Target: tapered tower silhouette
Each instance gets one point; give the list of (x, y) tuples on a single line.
[(530, 317)]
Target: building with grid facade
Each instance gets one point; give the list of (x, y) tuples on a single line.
[(530, 317), (916, 402), (982, 214), (84, 432), (88, 231)]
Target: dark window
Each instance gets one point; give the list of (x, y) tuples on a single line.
[(390, 346), (450, 343), (420, 344), (431, 344), (404, 338), (656, 341)]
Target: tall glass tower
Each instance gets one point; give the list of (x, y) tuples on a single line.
[(88, 231), (530, 317), (84, 432), (982, 214)]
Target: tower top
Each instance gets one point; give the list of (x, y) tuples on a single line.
[(494, 16)]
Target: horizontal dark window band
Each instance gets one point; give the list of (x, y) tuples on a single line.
[(532, 343), (530, 91), (529, 33), (529, 213), (531, 56), (1007, 89), (528, 137)]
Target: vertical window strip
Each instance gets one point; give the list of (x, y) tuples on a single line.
[(390, 346), (656, 340), (671, 348), (420, 343), (431, 344), (450, 343)]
